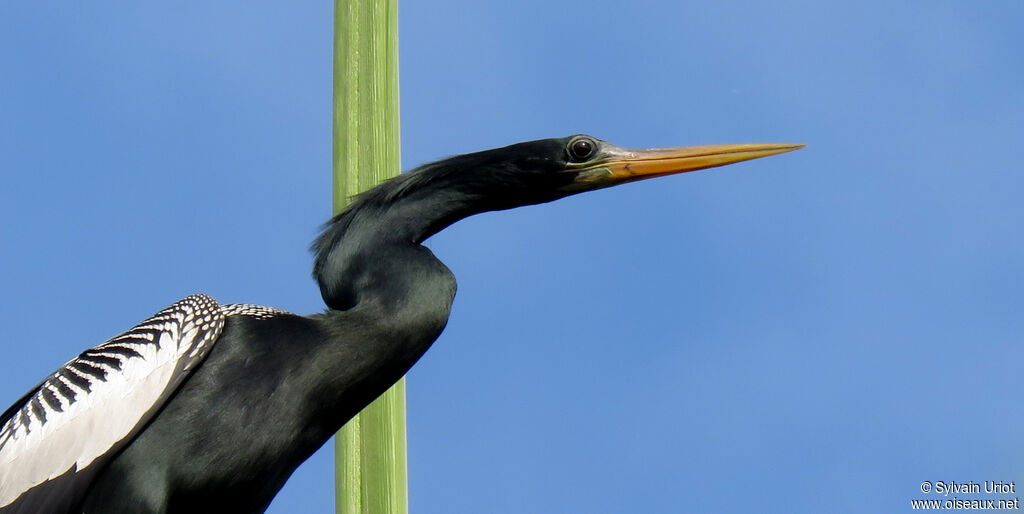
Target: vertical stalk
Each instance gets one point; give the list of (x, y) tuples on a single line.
[(370, 461)]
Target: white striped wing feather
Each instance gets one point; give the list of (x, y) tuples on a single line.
[(102, 398)]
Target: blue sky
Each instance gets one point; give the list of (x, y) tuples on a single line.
[(814, 332)]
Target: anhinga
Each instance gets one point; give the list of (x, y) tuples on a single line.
[(209, 408)]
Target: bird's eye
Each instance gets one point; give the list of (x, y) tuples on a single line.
[(581, 149)]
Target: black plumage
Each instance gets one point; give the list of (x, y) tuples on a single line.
[(222, 402)]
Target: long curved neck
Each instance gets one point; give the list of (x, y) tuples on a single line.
[(375, 243), (413, 206), (404, 211), (388, 299)]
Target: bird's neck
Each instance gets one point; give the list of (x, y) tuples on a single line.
[(373, 247), (407, 209), (388, 299)]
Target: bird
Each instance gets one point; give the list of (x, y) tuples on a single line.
[(209, 407)]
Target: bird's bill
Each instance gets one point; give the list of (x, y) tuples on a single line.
[(620, 165)]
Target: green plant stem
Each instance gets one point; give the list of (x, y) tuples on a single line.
[(370, 475)]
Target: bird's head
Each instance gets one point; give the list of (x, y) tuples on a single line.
[(595, 164), (435, 195), (548, 169)]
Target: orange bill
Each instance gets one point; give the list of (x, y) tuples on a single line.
[(617, 165)]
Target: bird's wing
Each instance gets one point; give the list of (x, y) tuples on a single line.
[(64, 429), (253, 311)]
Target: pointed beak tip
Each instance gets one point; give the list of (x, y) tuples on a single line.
[(788, 147)]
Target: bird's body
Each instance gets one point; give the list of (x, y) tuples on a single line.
[(242, 395), (236, 456)]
